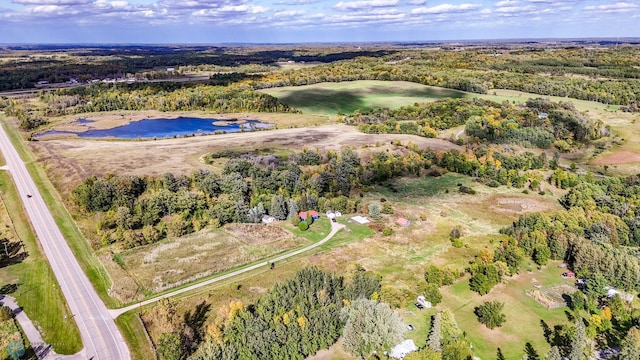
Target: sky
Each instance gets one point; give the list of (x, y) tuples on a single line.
[(295, 21)]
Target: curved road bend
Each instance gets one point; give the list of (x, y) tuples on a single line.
[(100, 336), (334, 229)]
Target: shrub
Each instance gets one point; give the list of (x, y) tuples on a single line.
[(387, 231), (490, 314), (432, 294), (457, 243), (304, 226), (5, 313), (387, 208), (466, 190)]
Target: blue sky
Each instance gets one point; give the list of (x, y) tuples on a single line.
[(281, 21)]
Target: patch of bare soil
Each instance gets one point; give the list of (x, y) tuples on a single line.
[(519, 205), (68, 161), (257, 233), (618, 158)]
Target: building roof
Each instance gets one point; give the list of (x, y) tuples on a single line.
[(313, 213), (302, 214), (360, 219)]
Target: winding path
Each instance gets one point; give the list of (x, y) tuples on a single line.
[(100, 335), (335, 227)]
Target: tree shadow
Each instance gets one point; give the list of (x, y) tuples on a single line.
[(9, 288), (546, 330), (196, 319), (11, 252), (325, 100)]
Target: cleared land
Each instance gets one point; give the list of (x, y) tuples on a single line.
[(69, 161), (524, 315), (349, 96), (171, 263)]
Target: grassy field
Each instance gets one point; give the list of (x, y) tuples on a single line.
[(523, 314), (174, 262), (31, 280), (364, 95)]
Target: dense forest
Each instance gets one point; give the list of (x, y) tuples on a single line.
[(603, 74)]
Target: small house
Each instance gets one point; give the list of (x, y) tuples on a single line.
[(403, 222), (306, 214), (267, 219), (331, 214), (543, 116)]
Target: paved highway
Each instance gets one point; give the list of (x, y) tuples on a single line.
[(100, 336)]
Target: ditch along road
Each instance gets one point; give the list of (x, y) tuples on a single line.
[(100, 335), (335, 227)]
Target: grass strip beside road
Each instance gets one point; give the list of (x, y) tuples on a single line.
[(38, 292), (89, 263), (133, 333)]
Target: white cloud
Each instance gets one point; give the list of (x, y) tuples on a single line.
[(288, 13), (619, 7), (417, 2), (362, 5), (514, 9), (506, 3), (444, 9), (50, 2), (295, 2)]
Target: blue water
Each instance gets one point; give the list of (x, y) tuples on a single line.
[(160, 128)]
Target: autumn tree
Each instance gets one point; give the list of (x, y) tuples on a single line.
[(370, 326)]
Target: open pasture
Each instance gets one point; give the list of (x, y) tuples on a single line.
[(364, 95), (170, 263)]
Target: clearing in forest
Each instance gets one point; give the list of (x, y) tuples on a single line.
[(364, 95)]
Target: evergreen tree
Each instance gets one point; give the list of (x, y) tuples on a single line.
[(293, 209), (554, 354), (499, 355), (434, 340), (278, 208), (531, 352), (579, 341), (631, 345)]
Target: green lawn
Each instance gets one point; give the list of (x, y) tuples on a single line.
[(37, 289), (524, 315), (364, 95)]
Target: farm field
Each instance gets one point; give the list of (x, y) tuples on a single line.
[(363, 95)]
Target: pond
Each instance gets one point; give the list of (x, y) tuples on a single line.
[(160, 128)]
